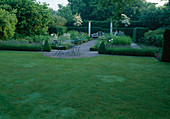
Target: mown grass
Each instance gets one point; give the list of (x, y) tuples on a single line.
[(33, 86)]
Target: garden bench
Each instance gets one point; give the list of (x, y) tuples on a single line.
[(98, 34)]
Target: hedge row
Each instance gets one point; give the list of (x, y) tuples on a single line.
[(166, 46), (20, 47), (138, 34), (85, 29), (57, 30), (106, 24), (127, 31), (127, 51), (131, 52)]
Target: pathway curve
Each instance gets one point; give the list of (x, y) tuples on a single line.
[(84, 52)]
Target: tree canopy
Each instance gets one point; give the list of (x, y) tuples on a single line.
[(8, 21), (33, 17)]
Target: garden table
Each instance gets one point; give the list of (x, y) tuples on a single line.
[(60, 50)]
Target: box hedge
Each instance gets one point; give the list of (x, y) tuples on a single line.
[(138, 34), (21, 47), (131, 51), (46, 47), (127, 31), (57, 30), (166, 46)]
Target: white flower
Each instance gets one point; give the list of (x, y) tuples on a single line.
[(77, 19), (125, 20)]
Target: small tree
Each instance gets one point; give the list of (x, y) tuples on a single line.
[(8, 21), (77, 19), (125, 20), (47, 46), (166, 46), (102, 48)]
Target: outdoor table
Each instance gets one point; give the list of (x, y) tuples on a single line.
[(59, 50)]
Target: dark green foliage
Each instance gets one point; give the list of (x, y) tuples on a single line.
[(85, 29), (102, 48), (155, 17), (33, 17), (127, 31), (29, 39), (93, 48), (20, 47), (131, 51), (57, 30), (166, 46), (106, 24), (154, 38), (47, 46), (40, 38), (138, 34)]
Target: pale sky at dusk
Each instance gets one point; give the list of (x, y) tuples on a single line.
[(53, 3)]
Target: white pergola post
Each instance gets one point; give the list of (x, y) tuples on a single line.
[(111, 27), (89, 31)]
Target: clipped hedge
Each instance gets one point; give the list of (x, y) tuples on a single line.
[(131, 51), (57, 30), (93, 48), (166, 46), (138, 34), (127, 31), (47, 47), (102, 48), (106, 24), (21, 47)]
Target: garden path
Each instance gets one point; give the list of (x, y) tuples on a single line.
[(84, 52), (134, 45)]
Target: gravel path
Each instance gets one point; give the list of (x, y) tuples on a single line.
[(134, 45), (84, 52)]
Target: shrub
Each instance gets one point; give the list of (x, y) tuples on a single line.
[(20, 47), (166, 46), (40, 38), (102, 48), (127, 31), (138, 34), (47, 46), (73, 35), (29, 39), (57, 30), (121, 40), (131, 51), (93, 48), (93, 29), (154, 38)]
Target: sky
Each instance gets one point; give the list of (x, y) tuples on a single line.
[(53, 3)]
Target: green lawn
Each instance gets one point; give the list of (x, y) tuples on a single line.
[(33, 86)]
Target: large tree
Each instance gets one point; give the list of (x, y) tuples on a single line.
[(98, 9), (8, 21), (33, 17)]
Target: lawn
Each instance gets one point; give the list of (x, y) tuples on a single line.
[(33, 86)]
